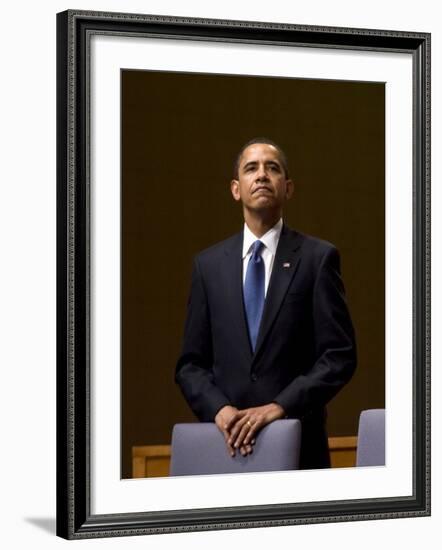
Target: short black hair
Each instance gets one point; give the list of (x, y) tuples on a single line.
[(265, 141)]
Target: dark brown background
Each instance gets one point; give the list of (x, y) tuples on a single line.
[(180, 135)]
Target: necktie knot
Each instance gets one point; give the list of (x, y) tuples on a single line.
[(257, 247)]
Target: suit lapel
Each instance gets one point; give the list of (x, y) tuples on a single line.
[(284, 268), (234, 295)]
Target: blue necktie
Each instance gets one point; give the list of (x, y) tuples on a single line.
[(254, 291)]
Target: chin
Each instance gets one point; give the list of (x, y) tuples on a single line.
[(265, 201), (264, 207)]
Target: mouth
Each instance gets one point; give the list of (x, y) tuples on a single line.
[(264, 190)]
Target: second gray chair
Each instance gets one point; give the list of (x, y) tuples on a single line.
[(371, 438), (199, 448)]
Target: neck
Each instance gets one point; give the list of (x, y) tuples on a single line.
[(259, 223)]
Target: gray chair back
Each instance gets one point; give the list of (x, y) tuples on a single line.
[(199, 448), (371, 438)]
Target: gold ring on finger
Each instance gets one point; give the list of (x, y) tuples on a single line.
[(249, 424)]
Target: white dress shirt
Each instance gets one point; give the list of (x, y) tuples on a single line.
[(270, 241)]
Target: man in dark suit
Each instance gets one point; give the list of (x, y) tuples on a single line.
[(268, 334)]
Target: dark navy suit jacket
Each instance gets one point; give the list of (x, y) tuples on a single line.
[(305, 351)]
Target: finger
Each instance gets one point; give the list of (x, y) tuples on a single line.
[(240, 437), (254, 427), (230, 449), (246, 450), (233, 419), (236, 429)]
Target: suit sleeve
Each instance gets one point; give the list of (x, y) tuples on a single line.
[(194, 369), (334, 344)]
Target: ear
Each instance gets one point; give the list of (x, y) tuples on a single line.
[(234, 188), (289, 189)]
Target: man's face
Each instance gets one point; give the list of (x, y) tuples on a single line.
[(261, 184)]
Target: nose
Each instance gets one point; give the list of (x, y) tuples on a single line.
[(261, 173)]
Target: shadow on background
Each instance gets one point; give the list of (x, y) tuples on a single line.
[(46, 524)]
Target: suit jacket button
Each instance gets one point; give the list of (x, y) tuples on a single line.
[(254, 378)]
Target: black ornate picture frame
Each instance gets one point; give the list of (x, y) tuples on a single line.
[(75, 518)]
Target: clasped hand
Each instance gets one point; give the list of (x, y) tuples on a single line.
[(241, 426)]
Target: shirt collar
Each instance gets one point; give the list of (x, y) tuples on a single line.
[(270, 239)]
